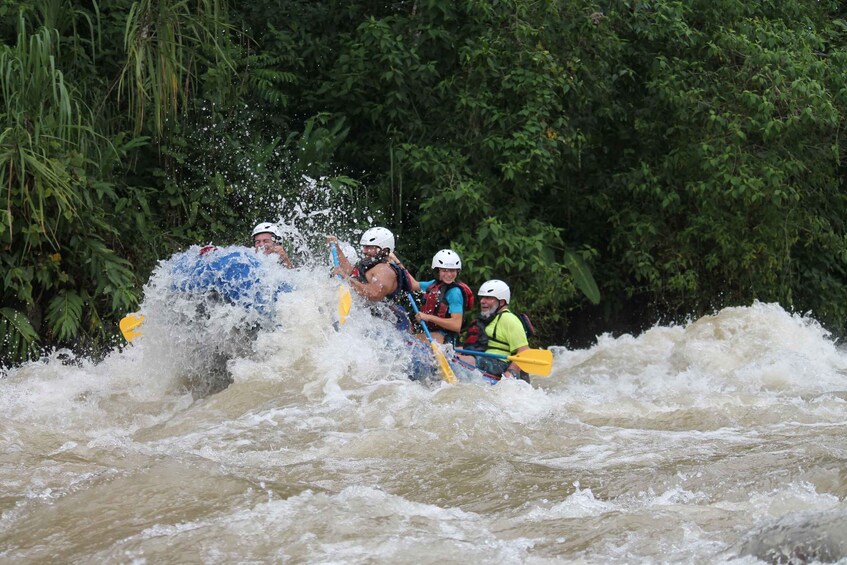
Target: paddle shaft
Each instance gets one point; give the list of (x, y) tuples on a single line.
[(448, 373), (495, 355), (534, 361), (482, 353), (334, 254), (415, 308), (345, 299)]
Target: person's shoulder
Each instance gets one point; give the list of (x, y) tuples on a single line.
[(510, 318), (382, 268), (454, 292), (426, 284), (513, 328), (455, 300), (384, 272)]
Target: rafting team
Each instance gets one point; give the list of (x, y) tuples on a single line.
[(380, 277)]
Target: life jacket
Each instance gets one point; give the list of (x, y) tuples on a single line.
[(363, 266), (475, 337), (403, 284), (478, 340), (435, 302), (397, 312)]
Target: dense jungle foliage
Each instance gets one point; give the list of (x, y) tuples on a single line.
[(618, 163)]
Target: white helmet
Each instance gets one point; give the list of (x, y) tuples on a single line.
[(496, 288), (446, 259), (268, 227), (380, 237)]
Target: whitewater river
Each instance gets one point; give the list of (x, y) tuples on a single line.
[(719, 441)]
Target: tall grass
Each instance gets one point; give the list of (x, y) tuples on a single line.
[(165, 42), (57, 272)]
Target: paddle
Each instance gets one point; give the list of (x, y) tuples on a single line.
[(534, 361), (129, 326), (446, 371), (345, 299)]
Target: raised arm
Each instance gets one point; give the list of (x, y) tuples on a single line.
[(345, 268)]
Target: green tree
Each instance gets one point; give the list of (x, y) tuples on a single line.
[(57, 218), (687, 155), (728, 187)]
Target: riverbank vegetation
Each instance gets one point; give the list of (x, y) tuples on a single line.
[(618, 163)]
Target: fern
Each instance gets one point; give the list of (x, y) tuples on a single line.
[(20, 340), (64, 315), (267, 81)]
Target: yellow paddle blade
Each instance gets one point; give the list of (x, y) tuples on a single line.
[(534, 361), (129, 326), (345, 301), (446, 370)]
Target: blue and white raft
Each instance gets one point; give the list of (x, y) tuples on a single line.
[(233, 275)]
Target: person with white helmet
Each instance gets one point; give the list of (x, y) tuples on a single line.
[(495, 330), (445, 299), (268, 237), (374, 277)]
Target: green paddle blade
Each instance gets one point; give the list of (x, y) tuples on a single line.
[(129, 326)]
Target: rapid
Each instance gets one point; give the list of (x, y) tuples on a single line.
[(721, 440)]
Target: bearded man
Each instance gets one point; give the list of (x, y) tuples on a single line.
[(495, 330)]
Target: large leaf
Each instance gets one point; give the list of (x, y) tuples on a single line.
[(583, 279)]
